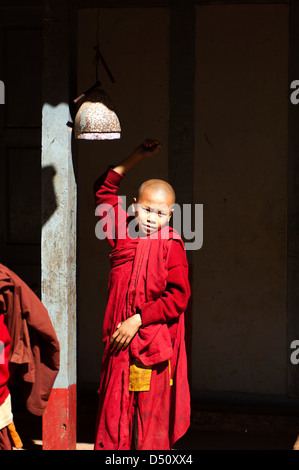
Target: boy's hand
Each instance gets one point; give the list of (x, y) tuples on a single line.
[(149, 148), (126, 332)]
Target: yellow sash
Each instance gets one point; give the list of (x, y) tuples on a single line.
[(140, 377)]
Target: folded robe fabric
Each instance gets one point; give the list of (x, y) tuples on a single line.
[(34, 348)]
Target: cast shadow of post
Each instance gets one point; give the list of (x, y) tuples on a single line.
[(49, 202)]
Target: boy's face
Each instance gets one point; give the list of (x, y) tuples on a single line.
[(153, 210)]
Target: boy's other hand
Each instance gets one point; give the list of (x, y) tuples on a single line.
[(125, 332)]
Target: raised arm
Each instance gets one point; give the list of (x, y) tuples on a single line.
[(109, 207), (112, 216)]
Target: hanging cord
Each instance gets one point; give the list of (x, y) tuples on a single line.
[(98, 57)]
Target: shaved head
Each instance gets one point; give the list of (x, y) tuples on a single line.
[(153, 205), (158, 191)]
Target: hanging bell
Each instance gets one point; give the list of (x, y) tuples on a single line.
[(96, 118)]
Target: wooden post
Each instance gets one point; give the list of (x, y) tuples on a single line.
[(181, 123), (59, 200)]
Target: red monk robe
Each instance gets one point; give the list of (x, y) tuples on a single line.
[(149, 276)]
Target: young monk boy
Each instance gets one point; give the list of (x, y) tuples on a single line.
[(144, 398)]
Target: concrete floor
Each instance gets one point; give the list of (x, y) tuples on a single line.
[(214, 427)]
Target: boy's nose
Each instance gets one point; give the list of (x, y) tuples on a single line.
[(151, 219)]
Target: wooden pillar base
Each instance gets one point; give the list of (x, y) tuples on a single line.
[(59, 428)]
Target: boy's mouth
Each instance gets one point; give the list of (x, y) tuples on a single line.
[(148, 228)]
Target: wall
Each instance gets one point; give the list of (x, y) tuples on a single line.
[(241, 83)]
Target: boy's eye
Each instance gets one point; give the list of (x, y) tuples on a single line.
[(161, 214)]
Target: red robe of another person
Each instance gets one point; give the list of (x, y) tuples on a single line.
[(5, 441), (150, 276), (31, 347)]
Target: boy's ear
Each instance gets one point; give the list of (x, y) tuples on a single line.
[(133, 204), (170, 214)]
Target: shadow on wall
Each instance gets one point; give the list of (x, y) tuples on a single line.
[(50, 205)]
